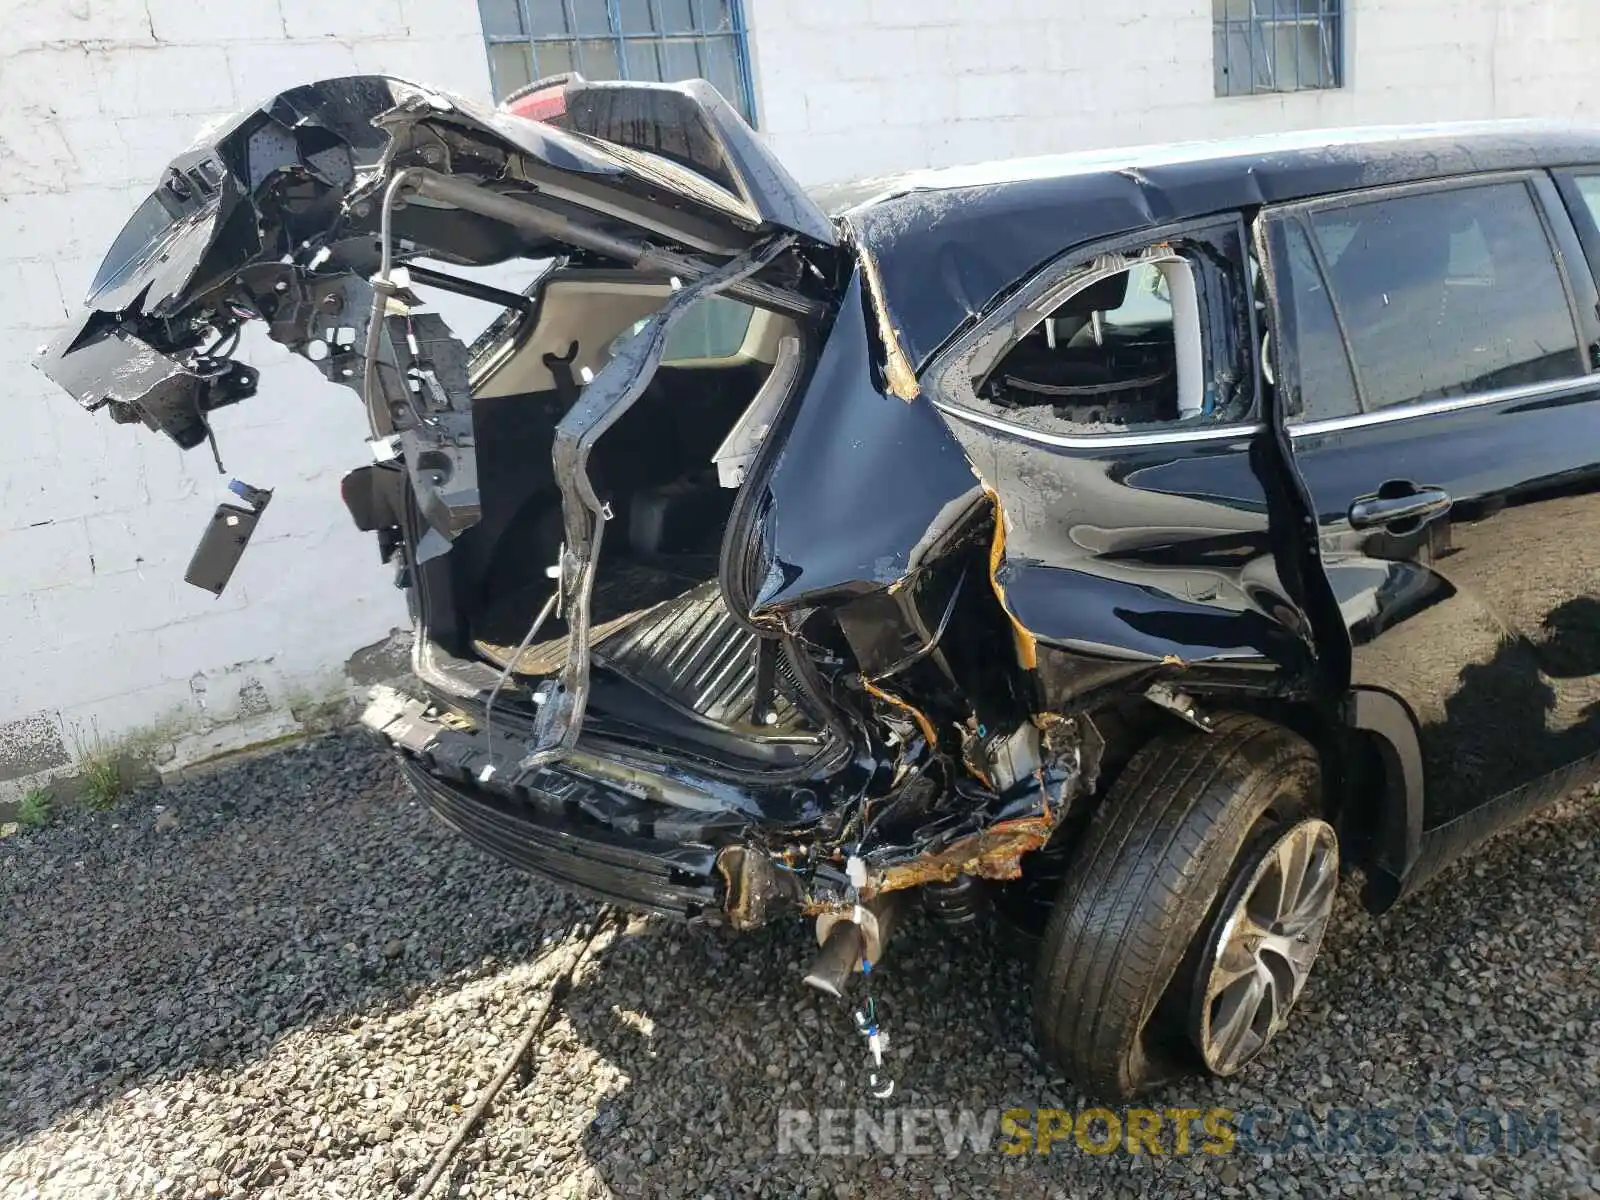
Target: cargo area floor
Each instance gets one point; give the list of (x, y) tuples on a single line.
[(667, 634)]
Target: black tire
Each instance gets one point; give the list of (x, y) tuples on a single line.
[(1159, 853)]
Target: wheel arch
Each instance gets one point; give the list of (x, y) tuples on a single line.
[(1385, 787), (1372, 774)]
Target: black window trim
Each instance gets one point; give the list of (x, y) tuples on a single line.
[(1580, 228), (1267, 225), (954, 358), (1582, 330)]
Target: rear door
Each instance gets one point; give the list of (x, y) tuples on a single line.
[(1438, 346), (1112, 407)]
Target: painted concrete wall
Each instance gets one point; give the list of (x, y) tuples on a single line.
[(98, 633), (854, 88)]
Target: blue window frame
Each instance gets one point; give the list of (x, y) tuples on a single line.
[(663, 40), (1277, 45)]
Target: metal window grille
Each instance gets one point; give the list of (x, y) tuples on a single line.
[(663, 40), (1277, 45)]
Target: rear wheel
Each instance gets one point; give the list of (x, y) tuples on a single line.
[(1187, 923), (1258, 953)]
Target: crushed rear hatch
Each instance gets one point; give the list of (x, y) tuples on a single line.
[(755, 594), (307, 213)]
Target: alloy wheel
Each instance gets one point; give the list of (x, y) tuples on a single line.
[(1263, 943)]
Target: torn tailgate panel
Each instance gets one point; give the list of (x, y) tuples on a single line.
[(294, 213)]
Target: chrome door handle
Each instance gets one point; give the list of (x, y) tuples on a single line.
[(1419, 505)]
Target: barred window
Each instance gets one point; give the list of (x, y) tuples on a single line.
[(1277, 45), (663, 40)]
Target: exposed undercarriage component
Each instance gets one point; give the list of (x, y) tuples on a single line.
[(850, 939)]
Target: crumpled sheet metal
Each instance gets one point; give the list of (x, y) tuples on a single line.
[(899, 377)]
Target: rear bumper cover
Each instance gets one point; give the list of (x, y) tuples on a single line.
[(668, 842), (582, 833), (534, 836)]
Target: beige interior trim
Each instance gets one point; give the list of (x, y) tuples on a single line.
[(589, 312), (593, 313)]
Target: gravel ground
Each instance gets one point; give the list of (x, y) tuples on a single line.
[(284, 979)]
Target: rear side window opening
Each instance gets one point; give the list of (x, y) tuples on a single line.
[(1126, 348), (1155, 337)]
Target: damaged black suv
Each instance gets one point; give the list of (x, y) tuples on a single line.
[(1115, 543)]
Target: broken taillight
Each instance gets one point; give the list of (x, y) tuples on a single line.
[(540, 101)]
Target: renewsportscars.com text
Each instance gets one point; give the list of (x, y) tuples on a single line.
[(1166, 1131)]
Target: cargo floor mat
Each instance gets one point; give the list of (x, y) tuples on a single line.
[(684, 647)]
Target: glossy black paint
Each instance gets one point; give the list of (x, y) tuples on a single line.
[(102, 365), (1140, 555), (1129, 563), (1485, 621), (948, 244), (863, 487), (1479, 616)]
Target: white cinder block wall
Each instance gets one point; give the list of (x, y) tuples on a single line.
[(99, 635), (853, 88)]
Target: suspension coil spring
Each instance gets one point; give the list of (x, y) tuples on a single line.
[(961, 901)]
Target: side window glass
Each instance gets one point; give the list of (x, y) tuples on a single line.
[(1589, 189), (1319, 369), (1448, 293), (1144, 340), (712, 328)]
